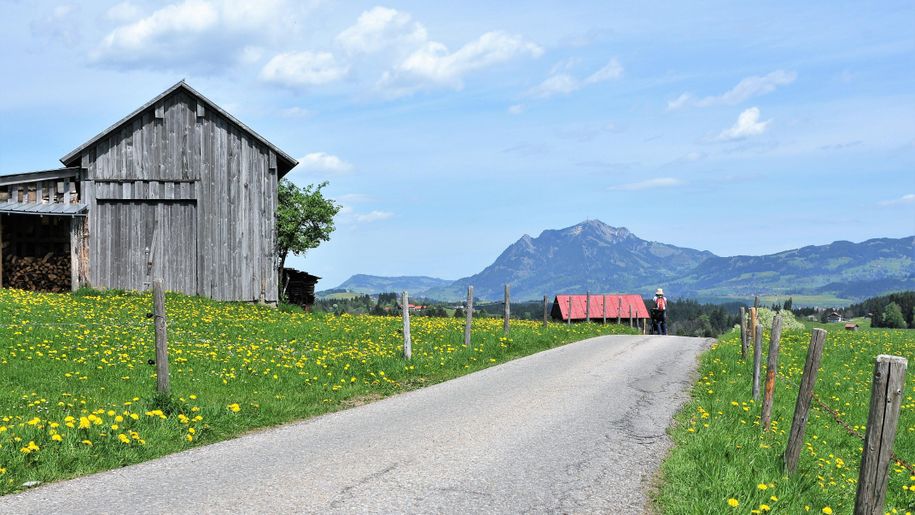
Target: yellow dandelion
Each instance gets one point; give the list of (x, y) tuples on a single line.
[(827, 510), (733, 503)]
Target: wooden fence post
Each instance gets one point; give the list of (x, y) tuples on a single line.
[(605, 309), (570, 309), (804, 397), (882, 419), (753, 319), (162, 380), (469, 316), (771, 368), (588, 307), (630, 315), (757, 363), (507, 310), (407, 342), (743, 333), (546, 312), (619, 311)]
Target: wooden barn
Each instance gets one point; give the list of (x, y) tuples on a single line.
[(178, 189), (623, 307)]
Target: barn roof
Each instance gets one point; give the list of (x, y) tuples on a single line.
[(617, 305), (71, 158)]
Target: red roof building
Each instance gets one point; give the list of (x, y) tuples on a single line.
[(618, 306)]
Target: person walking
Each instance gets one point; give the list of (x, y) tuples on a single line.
[(661, 304)]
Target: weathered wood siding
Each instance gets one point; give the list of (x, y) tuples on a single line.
[(177, 153), (167, 229)]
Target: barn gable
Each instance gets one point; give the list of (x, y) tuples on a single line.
[(178, 189)]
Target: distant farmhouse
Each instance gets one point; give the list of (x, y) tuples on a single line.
[(834, 317), (178, 189)]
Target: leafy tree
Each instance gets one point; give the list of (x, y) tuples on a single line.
[(892, 316), (788, 304), (304, 219), (459, 313)]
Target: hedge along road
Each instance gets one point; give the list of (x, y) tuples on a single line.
[(578, 428)]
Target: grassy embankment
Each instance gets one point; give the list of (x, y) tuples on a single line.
[(722, 458), (77, 389)]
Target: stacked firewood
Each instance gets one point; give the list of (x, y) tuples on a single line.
[(48, 273)]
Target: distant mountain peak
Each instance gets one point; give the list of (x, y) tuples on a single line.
[(598, 229)]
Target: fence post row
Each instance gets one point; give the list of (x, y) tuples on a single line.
[(507, 310), (545, 312), (469, 315), (804, 398), (757, 363), (162, 379), (771, 368), (882, 419), (407, 343)]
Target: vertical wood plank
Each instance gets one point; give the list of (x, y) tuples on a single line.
[(804, 398), (407, 342), (162, 379), (546, 313), (587, 306), (771, 369), (882, 422), (743, 333), (506, 313), (757, 362), (469, 316), (604, 304)]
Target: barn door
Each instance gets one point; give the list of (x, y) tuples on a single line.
[(138, 241), (173, 245)]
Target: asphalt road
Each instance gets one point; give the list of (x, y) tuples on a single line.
[(577, 429)]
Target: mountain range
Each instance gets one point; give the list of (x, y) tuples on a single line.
[(593, 256)]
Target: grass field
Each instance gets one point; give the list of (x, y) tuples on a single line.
[(77, 387), (723, 462)]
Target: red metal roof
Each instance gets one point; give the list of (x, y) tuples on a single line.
[(616, 302)]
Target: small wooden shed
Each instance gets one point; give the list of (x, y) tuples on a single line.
[(179, 189), (299, 287)]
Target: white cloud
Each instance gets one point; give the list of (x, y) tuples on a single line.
[(380, 28), (677, 103), (746, 89), (323, 162), (565, 83), (516, 109), (561, 84), (611, 71), (661, 182), (747, 125), (372, 216), (123, 12), (209, 33), (905, 199), (297, 69), (433, 65), (58, 24)]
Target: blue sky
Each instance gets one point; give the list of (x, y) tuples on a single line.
[(448, 133)]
